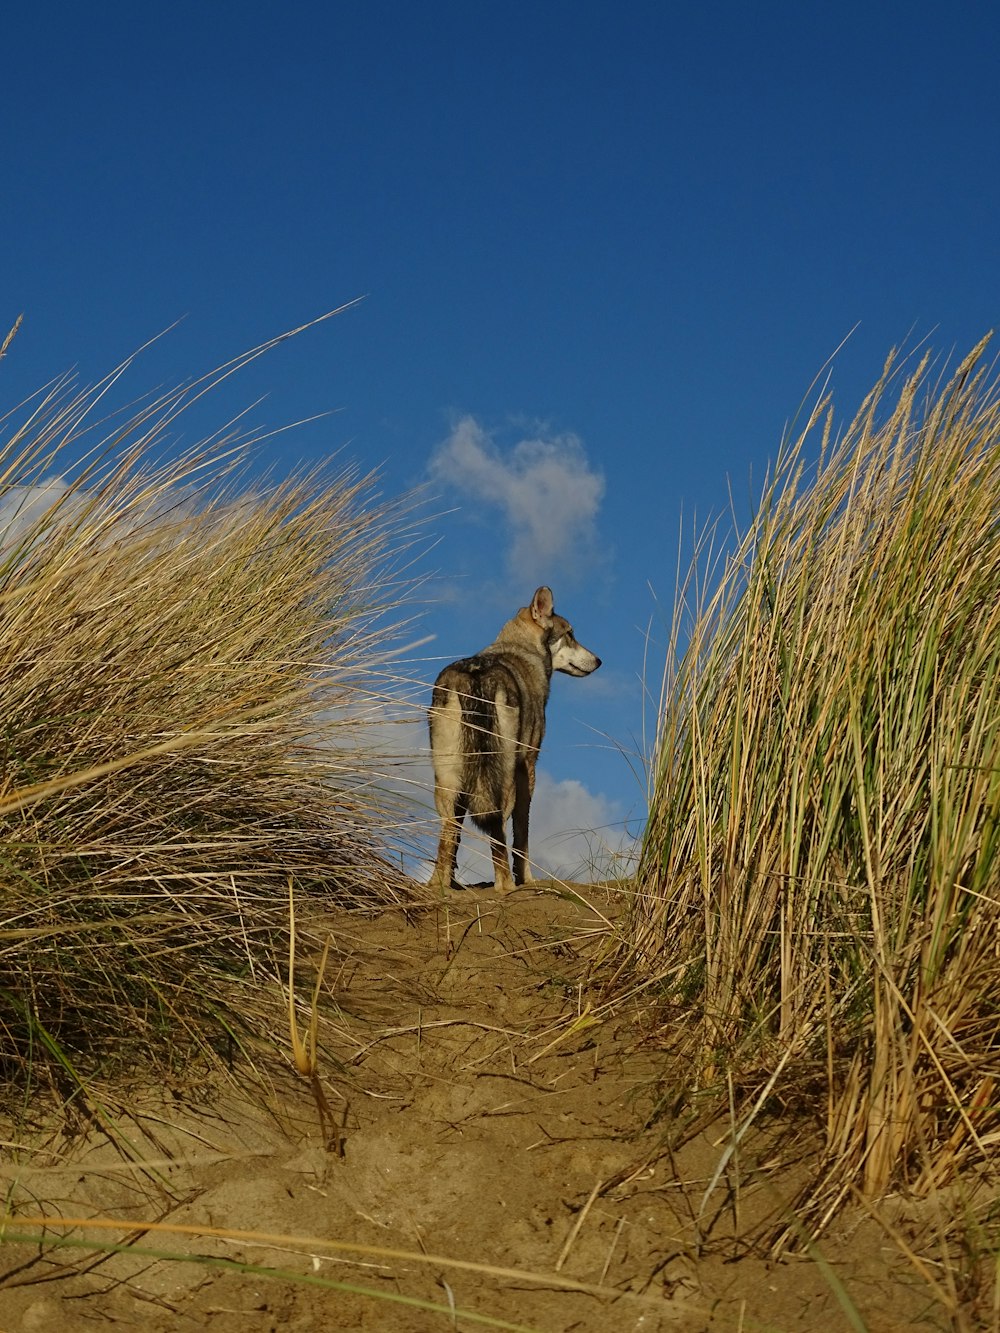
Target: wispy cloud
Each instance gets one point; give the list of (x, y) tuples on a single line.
[(22, 507), (544, 487), (33, 512), (577, 833)]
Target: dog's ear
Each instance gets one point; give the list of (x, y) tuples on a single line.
[(542, 604)]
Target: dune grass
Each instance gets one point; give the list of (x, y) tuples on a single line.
[(818, 893), (187, 657)]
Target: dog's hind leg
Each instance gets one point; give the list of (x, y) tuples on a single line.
[(451, 807), (450, 796), (524, 786)]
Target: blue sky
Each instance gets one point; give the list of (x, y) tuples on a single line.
[(604, 249)]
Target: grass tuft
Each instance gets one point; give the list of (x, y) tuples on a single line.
[(187, 657), (819, 887)]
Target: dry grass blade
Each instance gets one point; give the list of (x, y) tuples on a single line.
[(319, 1244), (392, 1298), (10, 336)]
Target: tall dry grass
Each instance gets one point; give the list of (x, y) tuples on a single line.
[(187, 657), (818, 899)]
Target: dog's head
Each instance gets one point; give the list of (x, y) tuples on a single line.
[(567, 654)]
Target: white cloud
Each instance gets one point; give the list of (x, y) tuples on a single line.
[(33, 512), (544, 487), (577, 833), (23, 508)]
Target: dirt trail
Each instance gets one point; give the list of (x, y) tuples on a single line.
[(482, 1119)]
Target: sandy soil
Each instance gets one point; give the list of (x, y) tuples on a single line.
[(481, 1118)]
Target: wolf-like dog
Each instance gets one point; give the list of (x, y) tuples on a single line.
[(487, 720)]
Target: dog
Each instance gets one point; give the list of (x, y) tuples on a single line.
[(487, 720)]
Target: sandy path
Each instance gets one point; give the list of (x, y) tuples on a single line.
[(482, 1119)]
